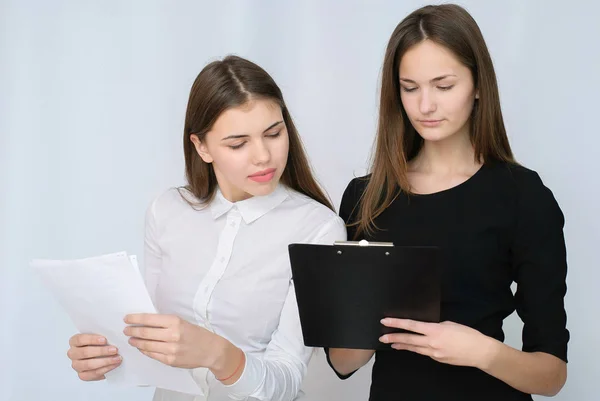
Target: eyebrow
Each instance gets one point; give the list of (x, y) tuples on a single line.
[(245, 136), (436, 79)]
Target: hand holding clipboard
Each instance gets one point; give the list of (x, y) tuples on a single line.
[(345, 289)]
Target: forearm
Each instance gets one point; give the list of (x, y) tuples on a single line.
[(346, 361), (274, 376), (530, 372)]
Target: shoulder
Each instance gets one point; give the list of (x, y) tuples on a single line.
[(528, 184), (355, 189), (533, 197), (308, 207), (312, 213), (517, 179), (172, 202), (523, 176)]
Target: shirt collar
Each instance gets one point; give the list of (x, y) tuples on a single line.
[(252, 208)]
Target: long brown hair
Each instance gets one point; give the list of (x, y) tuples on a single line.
[(397, 142), (233, 82)]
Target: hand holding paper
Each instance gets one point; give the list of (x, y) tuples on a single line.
[(92, 357), (98, 293), (173, 341)]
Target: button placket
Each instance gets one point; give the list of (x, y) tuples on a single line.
[(218, 267)]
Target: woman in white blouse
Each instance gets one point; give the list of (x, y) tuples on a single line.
[(216, 261)]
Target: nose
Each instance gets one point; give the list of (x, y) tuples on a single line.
[(427, 104), (261, 153)]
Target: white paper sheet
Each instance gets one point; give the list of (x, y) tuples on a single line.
[(97, 293)]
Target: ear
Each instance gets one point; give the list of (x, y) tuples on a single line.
[(201, 148)]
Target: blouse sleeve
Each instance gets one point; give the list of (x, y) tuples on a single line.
[(152, 252), (278, 374), (540, 264)]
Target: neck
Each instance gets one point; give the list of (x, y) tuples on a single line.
[(454, 154)]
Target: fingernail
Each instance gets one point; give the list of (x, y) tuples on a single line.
[(112, 350), (117, 358), (101, 340), (382, 339), (384, 320)]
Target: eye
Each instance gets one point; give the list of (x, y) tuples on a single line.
[(405, 89), (237, 146), (275, 135), (445, 88)]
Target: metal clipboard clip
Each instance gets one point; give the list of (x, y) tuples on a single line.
[(363, 242)]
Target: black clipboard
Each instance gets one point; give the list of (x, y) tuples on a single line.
[(344, 290)]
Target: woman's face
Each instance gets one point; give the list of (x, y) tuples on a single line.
[(437, 91), (248, 149)]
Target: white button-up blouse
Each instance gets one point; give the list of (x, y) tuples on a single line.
[(226, 267)]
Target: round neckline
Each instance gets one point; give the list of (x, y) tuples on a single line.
[(454, 188)]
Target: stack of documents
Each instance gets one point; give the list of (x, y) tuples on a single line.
[(97, 293)]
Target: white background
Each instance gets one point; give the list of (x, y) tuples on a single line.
[(92, 103)]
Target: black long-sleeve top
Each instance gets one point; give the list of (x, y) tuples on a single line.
[(500, 226)]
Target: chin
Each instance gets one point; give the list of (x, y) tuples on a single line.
[(262, 189), (435, 134)]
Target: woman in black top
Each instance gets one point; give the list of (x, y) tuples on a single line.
[(443, 174)]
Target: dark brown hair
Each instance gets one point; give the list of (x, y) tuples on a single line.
[(233, 82), (397, 141)]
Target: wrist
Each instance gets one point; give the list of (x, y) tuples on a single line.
[(226, 359), (220, 351), (490, 349)]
